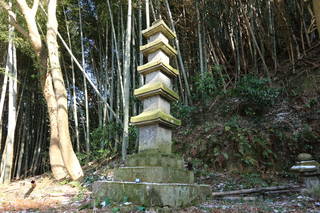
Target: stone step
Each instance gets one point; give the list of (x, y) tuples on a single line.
[(151, 174), (152, 194), (154, 159)]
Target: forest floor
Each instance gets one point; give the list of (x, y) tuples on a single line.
[(49, 195)]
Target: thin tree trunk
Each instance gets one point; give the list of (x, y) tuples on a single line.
[(6, 166), (2, 100), (21, 150), (141, 79), (116, 50), (183, 70), (126, 74), (200, 40), (74, 95), (87, 130), (147, 13), (316, 9)]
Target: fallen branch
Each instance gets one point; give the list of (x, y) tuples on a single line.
[(257, 190), (283, 191), (33, 185)]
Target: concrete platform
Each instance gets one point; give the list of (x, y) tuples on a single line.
[(152, 174), (152, 194)]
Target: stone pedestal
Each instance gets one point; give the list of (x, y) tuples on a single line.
[(154, 176)]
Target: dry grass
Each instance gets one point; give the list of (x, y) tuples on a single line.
[(26, 204)]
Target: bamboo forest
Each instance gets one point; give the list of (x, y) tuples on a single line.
[(160, 106)]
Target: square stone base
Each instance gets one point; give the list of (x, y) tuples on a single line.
[(152, 194)]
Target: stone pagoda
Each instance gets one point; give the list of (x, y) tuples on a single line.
[(154, 176)]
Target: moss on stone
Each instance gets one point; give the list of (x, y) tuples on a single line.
[(155, 116), (156, 45), (154, 89), (152, 174), (158, 65), (155, 158), (158, 27), (152, 194)]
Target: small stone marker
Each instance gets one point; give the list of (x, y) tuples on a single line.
[(308, 169), (154, 176)]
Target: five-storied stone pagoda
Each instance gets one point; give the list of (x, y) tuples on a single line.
[(154, 176)]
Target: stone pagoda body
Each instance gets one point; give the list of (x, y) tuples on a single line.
[(154, 176)]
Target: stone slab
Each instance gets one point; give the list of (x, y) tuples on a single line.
[(152, 194), (155, 159), (151, 174)]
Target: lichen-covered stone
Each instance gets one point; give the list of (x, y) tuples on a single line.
[(156, 159), (158, 65), (154, 117), (152, 174), (155, 137), (304, 156), (306, 166), (154, 89), (152, 194), (157, 27), (156, 102), (158, 45)]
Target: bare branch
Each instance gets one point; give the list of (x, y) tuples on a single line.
[(24, 7), (35, 6), (12, 19)]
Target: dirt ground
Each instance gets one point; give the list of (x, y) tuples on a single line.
[(47, 195)]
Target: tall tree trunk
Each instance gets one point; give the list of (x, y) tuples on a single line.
[(183, 70), (7, 157), (126, 84), (56, 161), (74, 95), (69, 158), (87, 134), (200, 40), (2, 100), (147, 13)]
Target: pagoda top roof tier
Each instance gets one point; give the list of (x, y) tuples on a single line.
[(159, 27)]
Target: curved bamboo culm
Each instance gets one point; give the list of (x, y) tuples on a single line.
[(316, 9)]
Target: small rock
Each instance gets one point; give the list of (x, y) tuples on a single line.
[(137, 180), (304, 156)]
